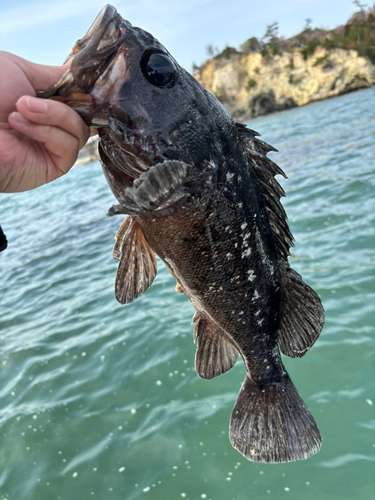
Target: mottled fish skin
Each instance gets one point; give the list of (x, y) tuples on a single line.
[(200, 193)]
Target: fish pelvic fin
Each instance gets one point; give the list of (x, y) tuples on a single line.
[(302, 318), (270, 423), (152, 189), (137, 262), (215, 352)]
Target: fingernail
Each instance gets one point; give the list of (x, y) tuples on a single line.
[(17, 117), (36, 105)]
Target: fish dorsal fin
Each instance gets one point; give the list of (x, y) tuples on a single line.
[(302, 318), (265, 170), (303, 314), (215, 352), (137, 263)]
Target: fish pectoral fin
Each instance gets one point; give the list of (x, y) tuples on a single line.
[(137, 263), (152, 188), (270, 423), (215, 352), (302, 318)]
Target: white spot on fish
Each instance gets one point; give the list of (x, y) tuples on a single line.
[(260, 322), (246, 253), (243, 226), (251, 274), (229, 176), (256, 295), (229, 255)]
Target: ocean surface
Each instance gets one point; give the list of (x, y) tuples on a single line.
[(101, 401)]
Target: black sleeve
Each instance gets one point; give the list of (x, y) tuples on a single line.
[(3, 240)]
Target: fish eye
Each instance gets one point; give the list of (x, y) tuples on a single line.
[(159, 69)]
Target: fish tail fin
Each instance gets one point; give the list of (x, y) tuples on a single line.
[(271, 423)]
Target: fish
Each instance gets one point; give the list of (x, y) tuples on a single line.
[(199, 191)]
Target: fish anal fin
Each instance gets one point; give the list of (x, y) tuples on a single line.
[(137, 263), (215, 352), (303, 315), (119, 238), (271, 423)]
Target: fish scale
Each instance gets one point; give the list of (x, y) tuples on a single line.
[(199, 191)]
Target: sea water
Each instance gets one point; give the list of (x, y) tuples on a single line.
[(101, 401)]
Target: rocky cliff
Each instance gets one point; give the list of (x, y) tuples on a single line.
[(249, 85)]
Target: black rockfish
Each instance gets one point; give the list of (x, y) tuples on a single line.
[(200, 192)]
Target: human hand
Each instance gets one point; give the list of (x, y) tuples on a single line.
[(39, 139)]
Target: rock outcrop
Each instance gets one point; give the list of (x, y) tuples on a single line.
[(249, 85)]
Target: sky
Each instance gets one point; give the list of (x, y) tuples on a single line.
[(44, 31)]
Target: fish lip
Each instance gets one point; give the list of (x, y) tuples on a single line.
[(96, 30), (91, 55)]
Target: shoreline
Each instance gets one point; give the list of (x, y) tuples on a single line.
[(250, 85), (89, 153)]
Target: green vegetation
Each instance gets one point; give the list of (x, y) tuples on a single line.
[(320, 60), (291, 64), (357, 34), (309, 48), (227, 52), (251, 45), (251, 83), (271, 40)]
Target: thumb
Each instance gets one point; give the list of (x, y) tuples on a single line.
[(41, 76)]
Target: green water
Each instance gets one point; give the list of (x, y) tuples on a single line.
[(100, 401)]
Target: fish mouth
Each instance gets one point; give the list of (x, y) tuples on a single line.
[(90, 57)]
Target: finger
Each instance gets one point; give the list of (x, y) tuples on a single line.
[(41, 77), (54, 114), (62, 146)]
